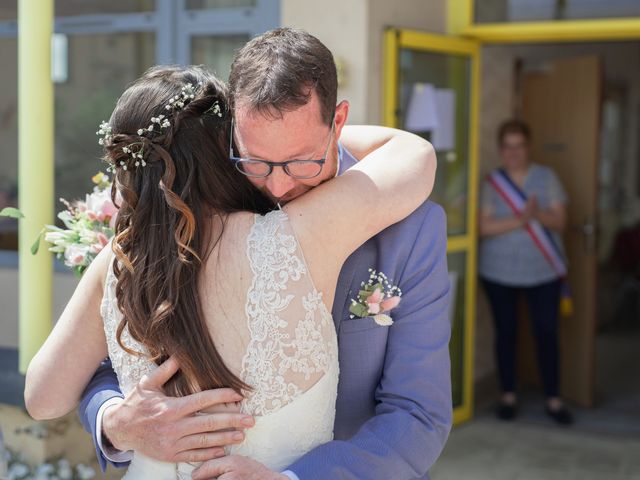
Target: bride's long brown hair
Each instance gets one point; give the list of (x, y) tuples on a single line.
[(162, 232)]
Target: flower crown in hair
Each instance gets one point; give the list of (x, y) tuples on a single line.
[(158, 125)]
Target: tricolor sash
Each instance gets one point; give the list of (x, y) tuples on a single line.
[(516, 199)]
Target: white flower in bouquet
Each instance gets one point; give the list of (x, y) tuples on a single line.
[(76, 255)]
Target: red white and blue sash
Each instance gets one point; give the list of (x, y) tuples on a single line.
[(516, 199)]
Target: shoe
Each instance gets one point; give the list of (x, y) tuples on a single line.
[(506, 411), (561, 415)]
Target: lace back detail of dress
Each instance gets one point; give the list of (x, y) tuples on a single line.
[(293, 341), (129, 368)]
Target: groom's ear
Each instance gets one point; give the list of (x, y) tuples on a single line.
[(340, 118)]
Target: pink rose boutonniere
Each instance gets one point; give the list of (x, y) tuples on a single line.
[(376, 298)]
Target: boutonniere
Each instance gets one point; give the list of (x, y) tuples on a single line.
[(376, 297)]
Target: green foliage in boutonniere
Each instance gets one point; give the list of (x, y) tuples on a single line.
[(376, 297)]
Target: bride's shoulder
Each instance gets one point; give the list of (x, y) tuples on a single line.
[(240, 227), (96, 273), (245, 221), (249, 220)]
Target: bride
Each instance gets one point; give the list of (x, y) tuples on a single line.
[(202, 271)]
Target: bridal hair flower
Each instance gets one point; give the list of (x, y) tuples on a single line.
[(376, 297), (187, 93), (158, 124), (105, 133), (214, 109), (137, 156)]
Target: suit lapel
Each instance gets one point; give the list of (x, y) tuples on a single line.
[(342, 297)]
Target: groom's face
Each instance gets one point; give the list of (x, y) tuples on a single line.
[(296, 135)]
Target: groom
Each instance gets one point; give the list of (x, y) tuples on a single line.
[(394, 397)]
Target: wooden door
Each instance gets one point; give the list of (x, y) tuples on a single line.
[(561, 102)]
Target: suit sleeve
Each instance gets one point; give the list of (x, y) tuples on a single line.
[(414, 407), (102, 387)]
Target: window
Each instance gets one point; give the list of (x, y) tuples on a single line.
[(100, 68), (216, 53), (99, 58), (207, 4)]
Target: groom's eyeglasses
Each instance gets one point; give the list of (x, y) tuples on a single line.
[(300, 169)]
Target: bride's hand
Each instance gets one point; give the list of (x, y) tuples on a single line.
[(235, 467)]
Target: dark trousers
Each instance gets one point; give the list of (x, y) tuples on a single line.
[(543, 303)]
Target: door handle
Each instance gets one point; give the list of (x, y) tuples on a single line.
[(588, 229)]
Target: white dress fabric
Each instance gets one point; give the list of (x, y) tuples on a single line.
[(291, 358)]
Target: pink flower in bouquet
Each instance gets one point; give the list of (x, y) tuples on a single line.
[(75, 254), (102, 239), (99, 206), (101, 242)]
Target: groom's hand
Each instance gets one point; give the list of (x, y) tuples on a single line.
[(235, 467), (167, 428)]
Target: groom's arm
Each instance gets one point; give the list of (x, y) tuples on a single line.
[(101, 392), (414, 409)]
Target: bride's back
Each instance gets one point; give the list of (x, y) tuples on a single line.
[(268, 321), (273, 331)]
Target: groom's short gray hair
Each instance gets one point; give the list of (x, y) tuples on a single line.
[(276, 72)]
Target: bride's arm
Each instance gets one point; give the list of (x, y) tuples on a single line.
[(393, 179), (63, 366), (361, 140)]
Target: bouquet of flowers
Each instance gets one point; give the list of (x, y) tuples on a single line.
[(89, 227)]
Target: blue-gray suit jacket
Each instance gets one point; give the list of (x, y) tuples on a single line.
[(394, 396)]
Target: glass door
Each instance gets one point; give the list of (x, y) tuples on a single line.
[(431, 89), (209, 32)]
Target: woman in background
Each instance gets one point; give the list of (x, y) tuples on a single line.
[(522, 216)]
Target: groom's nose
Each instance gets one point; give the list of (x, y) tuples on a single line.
[(279, 183)]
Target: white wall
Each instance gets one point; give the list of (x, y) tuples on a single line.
[(342, 26), (63, 286), (353, 30)]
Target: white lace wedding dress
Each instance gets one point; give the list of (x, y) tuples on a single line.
[(291, 356)]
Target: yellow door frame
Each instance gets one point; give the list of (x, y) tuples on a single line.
[(394, 41), (461, 22)]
